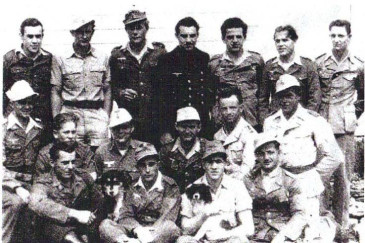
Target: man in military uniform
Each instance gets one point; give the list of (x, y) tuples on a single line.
[(31, 63), (81, 85), (133, 76), (236, 134), (342, 83), (64, 133), (181, 159), (119, 151), (150, 207), (241, 68), (22, 134), (230, 208), (289, 62), (67, 200), (286, 207), (183, 79)]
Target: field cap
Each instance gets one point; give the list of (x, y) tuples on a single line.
[(134, 16), (187, 114), (119, 116), (214, 148), (286, 81), (20, 90)]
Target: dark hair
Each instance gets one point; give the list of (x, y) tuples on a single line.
[(188, 22), (233, 23), (292, 33), (228, 91), (341, 23), (30, 22), (63, 118)]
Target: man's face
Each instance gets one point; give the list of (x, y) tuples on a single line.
[(83, 35), (23, 108), (340, 38), (32, 39), (187, 37), (65, 164), (230, 109), (288, 100), (234, 40), (284, 45), (188, 130), (268, 157), (148, 169), (214, 167), (67, 134), (137, 32), (122, 133)]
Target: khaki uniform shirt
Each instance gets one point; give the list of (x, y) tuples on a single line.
[(342, 87), (239, 145)]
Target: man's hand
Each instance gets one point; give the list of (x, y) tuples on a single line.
[(82, 216), (125, 239), (23, 194), (129, 94), (144, 234)]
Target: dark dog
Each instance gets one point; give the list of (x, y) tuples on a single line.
[(199, 192)]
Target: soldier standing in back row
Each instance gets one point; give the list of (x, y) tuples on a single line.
[(133, 76), (242, 68), (183, 79)]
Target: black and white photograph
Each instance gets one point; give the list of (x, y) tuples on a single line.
[(184, 121)]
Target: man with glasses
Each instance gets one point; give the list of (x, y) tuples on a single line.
[(81, 85), (133, 76)]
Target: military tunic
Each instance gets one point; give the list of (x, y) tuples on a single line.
[(17, 66), (21, 147), (183, 168), (184, 81), (108, 156), (306, 73), (128, 73), (52, 201), (247, 76)]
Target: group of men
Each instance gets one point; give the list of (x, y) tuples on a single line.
[(198, 149)]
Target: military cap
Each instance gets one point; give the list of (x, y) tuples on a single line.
[(145, 150), (187, 114), (79, 22), (286, 81), (265, 138), (134, 16), (119, 116), (214, 148), (20, 90)]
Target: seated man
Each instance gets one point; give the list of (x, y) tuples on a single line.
[(22, 134), (181, 159), (119, 151), (150, 207), (286, 206), (67, 201), (64, 133), (236, 134), (230, 207)]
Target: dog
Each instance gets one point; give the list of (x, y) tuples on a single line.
[(200, 197), (114, 183)]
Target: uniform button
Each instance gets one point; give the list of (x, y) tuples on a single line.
[(189, 104), (201, 79), (268, 215), (142, 95), (186, 173), (189, 96), (202, 94), (35, 75), (189, 81), (202, 102), (141, 83), (189, 88), (269, 221)]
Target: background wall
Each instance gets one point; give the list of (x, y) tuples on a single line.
[(310, 18)]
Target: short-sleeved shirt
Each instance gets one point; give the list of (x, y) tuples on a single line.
[(82, 78), (342, 87), (231, 197), (239, 146)]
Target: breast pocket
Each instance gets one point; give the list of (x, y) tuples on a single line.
[(97, 75), (19, 72), (72, 78)]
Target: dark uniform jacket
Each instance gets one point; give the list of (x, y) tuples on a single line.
[(175, 165), (16, 66), (247, 76), (84, 159), (108, 156), (52, 201), (184, 81), (160, 203), (20, 149), (128, 73), (306, 73)]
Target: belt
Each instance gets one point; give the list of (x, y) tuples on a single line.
[(300, 169), (85, 104)]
